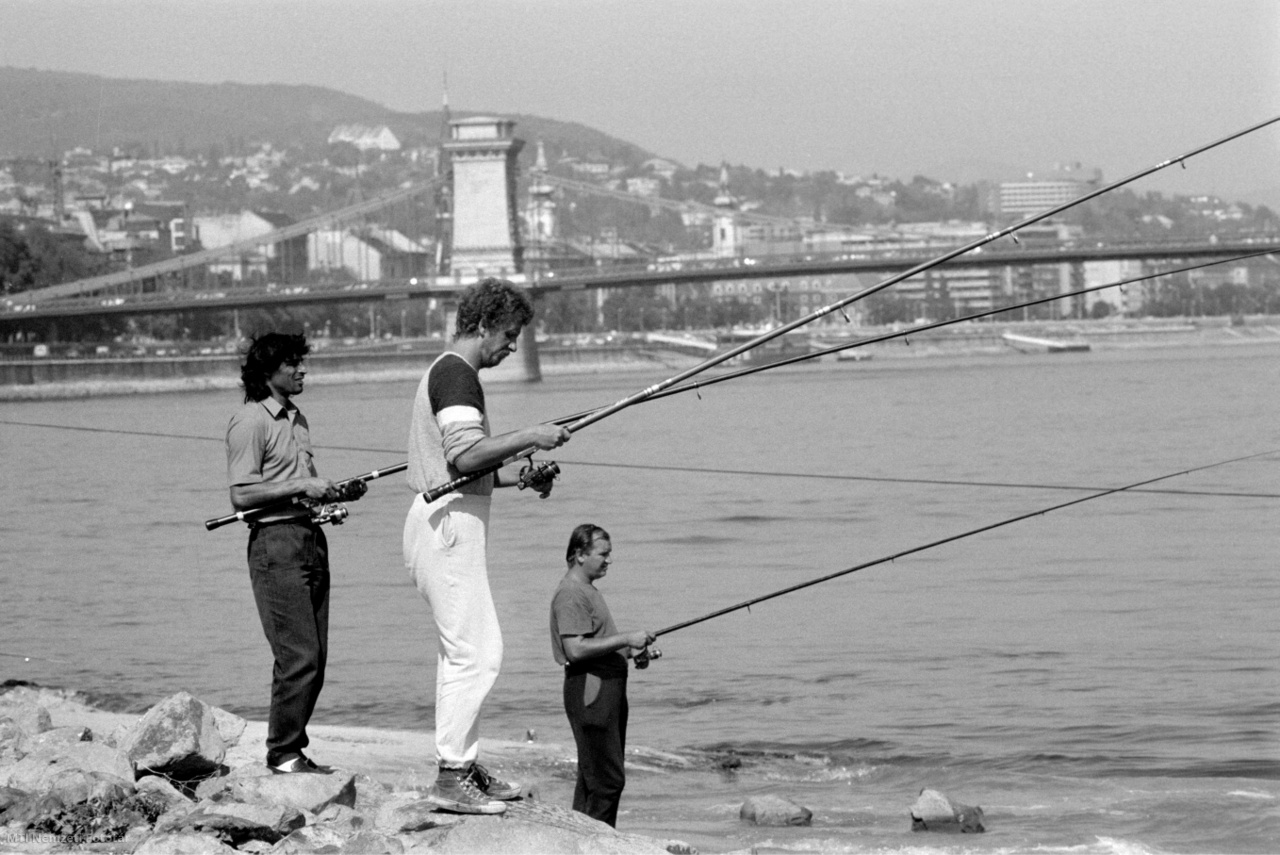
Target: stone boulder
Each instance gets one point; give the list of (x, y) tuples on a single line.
[(178, 738), (38, 771), (59, 736), (401, 816), (313, 839), (9, 797), (518, 836), (237, 821), (774, 810), (163, 791), (311, 793), (23, 707), (183, 843), (935, 812), (14, 742)]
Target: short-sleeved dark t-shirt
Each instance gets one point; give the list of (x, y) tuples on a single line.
[(579, 609)]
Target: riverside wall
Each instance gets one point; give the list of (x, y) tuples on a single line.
[(45, 377)]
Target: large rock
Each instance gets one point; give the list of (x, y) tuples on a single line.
[(405, 817), (238, 821), (163, 791), (22, 706), (32, 809), (14, 742), (37, 772), (9, 797), (60, 736), (774, 810), (935, 812), (312, 793), (177, 738), (183, 843), (230, 726), (321, 839), (512, 836)]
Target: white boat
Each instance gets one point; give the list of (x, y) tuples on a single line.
[(1034, 344)]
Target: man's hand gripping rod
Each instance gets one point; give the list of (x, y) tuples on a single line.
[(321, 512)]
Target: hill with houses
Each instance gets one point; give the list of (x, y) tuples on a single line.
[(47, 113)]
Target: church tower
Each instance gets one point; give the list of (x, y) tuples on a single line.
[(726, 236), (541, 212)]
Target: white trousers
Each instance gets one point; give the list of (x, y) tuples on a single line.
[(445, 553)]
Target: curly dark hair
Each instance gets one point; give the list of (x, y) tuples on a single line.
[(491, 305), (265, 354), (583, 538)]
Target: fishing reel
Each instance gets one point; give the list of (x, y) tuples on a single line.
[(539, 477), (645, 656), (330, 512)]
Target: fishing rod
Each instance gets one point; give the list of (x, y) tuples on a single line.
[(644, 394), (320, 512), (910, 331), (551, 469), (888, 558), (546, 469)]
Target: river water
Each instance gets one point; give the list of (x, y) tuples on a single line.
[(1102, 677)]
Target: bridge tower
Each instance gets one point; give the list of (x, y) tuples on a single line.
[(481, 153)]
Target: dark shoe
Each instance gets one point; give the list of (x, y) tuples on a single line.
[(494, 788), (455, 791), (299, 763)]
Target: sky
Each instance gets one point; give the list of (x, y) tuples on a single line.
[(951, 89)]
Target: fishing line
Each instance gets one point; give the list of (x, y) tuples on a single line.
[(644, 394), (704, 470), (912, 551), (914, 330)]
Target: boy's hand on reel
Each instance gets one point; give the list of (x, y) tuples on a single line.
[(647, 655)]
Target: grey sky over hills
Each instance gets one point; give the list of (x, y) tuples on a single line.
[(953, 89)]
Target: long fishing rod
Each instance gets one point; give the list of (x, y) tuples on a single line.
[(910, 331), (888, 558), (644, 394), (250, 514)]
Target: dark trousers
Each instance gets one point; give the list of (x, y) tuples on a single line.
[(289, 571), (600, 730)]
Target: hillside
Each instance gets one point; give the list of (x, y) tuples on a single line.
[(48, 112)]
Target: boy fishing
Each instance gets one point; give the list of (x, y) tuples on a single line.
[(594, 655)]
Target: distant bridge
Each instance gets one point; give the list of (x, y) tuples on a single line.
[(168, 287), (109, 299)]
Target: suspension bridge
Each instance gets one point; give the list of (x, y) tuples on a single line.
[(355, 255)]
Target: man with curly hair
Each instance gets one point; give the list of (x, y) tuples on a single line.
[(269, 463), (445, 540)]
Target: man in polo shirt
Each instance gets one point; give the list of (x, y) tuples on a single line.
[(269, 462), (445, 541)]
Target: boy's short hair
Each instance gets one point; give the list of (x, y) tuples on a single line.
[(583, 538)]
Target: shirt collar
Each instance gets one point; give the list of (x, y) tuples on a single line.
[(277, 409)]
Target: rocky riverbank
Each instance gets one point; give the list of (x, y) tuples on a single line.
[(187, 777)]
